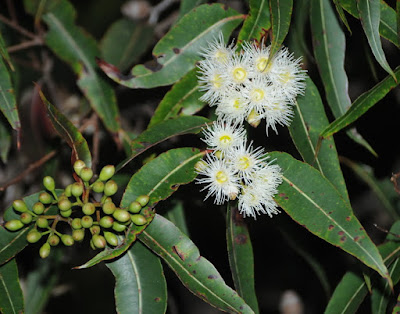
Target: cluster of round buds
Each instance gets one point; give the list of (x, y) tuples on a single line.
[(77, 208), (251, 85), (232, 169)]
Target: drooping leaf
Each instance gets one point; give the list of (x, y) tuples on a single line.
[(182, 99), (196, 273), (281, 14), (5, 142), (74, 46), (8, 104), (126, 242), (257, 22), (164, 131), (362, 104), (329, 50), (140, 285), (352, 289), (370, 15), (161, 177), (67, 131), (342, 15), (11, 298), (312, 201), (124, 42), (308, 121), (178, 51), (240, 254)]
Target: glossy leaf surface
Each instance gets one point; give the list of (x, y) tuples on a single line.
[(312, 201), (178, 51), (196, 273), (140, 285), (11, 298)]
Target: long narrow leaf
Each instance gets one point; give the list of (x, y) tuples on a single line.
[(257, 22), (281, 14), (195, 272), (11, 299), (8, 104)]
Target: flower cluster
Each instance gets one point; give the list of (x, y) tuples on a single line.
[(252, 85), (234, 169)]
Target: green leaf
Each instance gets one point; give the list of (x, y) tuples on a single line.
[(329, 50), (188, 5), (164, 131), (124, 42), (387, 26), (281, 14), (352, 289), (196, 273), (257, 22), (396, 308), (76, 47), (161, 177), (342, 15), (176, 214), (313, 202), (140, 283), (240, 254), (309, 120), (4, 53), (8, 103), (5, 142), (130, 237), (182, 99), (299, 29), (380, 189), (370, 12), (11, 298), (67, 131), (178, 51), (362, 104)]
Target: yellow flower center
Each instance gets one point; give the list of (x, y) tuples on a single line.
[(257, 94), (239, 74), (217, 81), (221, 177), (237, 104), (262, 64), (225, 139), (286, 77), (244, 162), (221, 56)]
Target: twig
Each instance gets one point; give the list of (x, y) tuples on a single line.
[(26, 44), (28, 170), (158, 9), (17, 27)]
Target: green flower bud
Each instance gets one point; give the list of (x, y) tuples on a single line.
[(118, 226), (67, 240), (109, 208), (98, 187), (106, 222), (88, 209), (92, 245), (78, 235), (135, 207), (42, 222), (20, 206), (143, 200), (121, 215), (67, 190), (254, 119), (66, 213), (45, 198), (48, 183), (64, 204), (26, 218), (44, 251), (200, 165), (76, 223), (86, 221), (33, 236), (38, 208), (110, 188), (106, 173), (86, 174), (111, 238), (108, 200), (14, 225), (138, 220), (94, 229), (77, 189), (53, 240), (99, 241), (78, 166)]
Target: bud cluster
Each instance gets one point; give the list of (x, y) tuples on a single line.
[(78, 209)]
